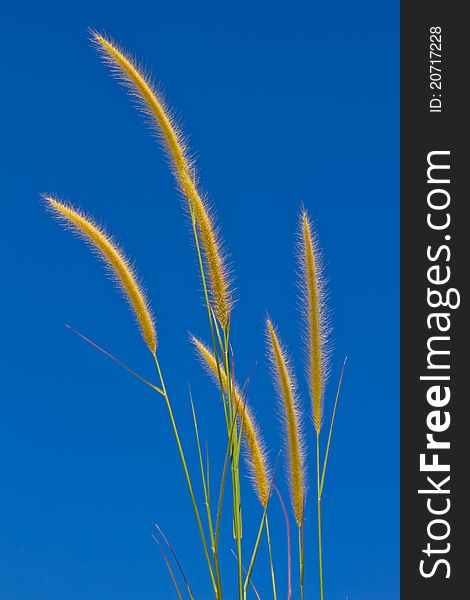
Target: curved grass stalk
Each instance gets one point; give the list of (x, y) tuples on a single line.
[(260, 532), (321, 481), (222, 483), (116, 260), (208, 475), (230, 421), (235, 463), (289, 554), (300, 532), (271, 563), (214, 260), (207, 501), (216, 589), (162, 391), (319, 524)]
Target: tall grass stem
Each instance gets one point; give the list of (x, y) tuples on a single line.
[(319, 523), (271, 562), (289, 552), (188, 479)]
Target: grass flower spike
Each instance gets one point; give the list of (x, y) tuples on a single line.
[(117, 262), (257, 454), (141, 87), (312, 308), (287, 394), (316, 339)]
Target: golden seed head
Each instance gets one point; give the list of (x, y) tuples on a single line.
[(117, 262), (314, 316), (292, 421), (256, 449), (152, 104)]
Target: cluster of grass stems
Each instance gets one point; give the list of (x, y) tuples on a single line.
[(217, 357)]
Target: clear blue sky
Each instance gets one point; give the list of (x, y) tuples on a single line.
[(282, 105)]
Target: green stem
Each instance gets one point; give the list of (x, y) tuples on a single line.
[(209, 310), (228, 409), (188, 479), (320, 548), (255, 552), (271, 564), (215, 554), (301, 559), (235, 459), (221, 495), (260, 531)]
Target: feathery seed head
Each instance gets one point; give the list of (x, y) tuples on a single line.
[(115, 259), (152, 105), (292, 420), (256, 448), (313, 309)]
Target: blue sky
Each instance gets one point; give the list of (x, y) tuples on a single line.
[(281, 105)]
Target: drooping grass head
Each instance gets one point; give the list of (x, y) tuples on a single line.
[(115, 259), (141, 87)]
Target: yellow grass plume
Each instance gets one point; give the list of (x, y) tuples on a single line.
[(292, 419), (314, 315), (115, 259), (256, 448), (141, 87)]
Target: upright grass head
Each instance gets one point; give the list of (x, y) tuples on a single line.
[(256, 447), (285, 384), (115, 259), (140, 86), (315, 322)]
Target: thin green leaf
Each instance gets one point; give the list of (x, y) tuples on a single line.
[(188, 480), (116, 360), (260, 531), (222, 484), (206, 497), (208, 473), (331, 428)]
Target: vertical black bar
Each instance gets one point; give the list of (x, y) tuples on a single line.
[(434, 119)]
